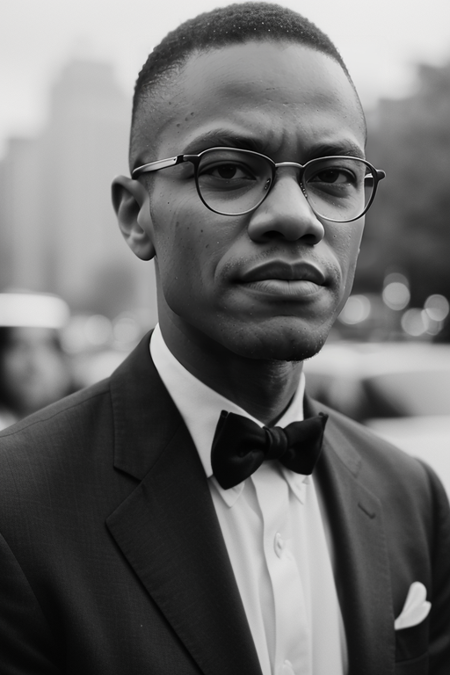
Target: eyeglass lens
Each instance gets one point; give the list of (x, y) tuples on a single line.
[(236, 181)]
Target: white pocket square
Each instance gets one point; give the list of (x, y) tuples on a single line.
[(416, 607)]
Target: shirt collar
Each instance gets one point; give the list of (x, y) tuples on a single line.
[(190, 395)]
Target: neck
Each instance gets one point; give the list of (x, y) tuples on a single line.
[(263, 388)]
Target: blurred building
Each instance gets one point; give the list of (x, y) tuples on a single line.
[(22, 246), (408, 227), (58, 231)]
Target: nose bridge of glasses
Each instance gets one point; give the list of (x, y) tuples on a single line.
[(300, 170), (291, 189), (295, 165)]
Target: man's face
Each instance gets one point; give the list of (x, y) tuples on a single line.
[(268, 284)]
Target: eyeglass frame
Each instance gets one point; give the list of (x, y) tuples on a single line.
[(157, 165)]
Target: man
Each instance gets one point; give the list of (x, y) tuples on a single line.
[(128, 545), (34, 370)]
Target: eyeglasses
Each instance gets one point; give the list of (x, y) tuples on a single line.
[(233, 182)]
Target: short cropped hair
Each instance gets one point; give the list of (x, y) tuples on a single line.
[(234, 24)]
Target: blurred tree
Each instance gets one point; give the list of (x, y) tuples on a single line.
[(408, 228)]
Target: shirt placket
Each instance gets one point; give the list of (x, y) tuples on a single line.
[(292, 628)]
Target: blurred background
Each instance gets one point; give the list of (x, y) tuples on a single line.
[(67, 71)]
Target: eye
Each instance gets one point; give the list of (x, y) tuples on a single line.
[(334, 176), (227, 171)]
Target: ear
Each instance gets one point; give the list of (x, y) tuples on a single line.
[(132, 206)]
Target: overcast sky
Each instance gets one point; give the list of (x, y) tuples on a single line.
[(380, 40)]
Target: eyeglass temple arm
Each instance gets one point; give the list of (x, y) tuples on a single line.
[(159, 164)]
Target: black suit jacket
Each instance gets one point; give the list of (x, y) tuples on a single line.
[(112, 561)]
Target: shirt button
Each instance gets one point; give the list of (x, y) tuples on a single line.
[(286, 669), (279, 544)]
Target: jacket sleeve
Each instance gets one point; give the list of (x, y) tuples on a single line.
[(440, 599), (26, 643)]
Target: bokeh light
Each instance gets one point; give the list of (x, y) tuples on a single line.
[(126, 330), (437, 307), (98, 330), (396, 294), (356, 310), (415, 322)]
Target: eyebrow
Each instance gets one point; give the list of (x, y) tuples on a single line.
[(222, 137), (227, 138), (346, 147)]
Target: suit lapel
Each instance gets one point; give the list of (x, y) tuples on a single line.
[(362, 565), (168, 529)]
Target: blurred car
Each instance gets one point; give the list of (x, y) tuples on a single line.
[(400, 390)]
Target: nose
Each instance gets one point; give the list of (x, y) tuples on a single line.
[(285, 213)]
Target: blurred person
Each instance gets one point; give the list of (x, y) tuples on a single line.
[(34, 370), (141, 530)]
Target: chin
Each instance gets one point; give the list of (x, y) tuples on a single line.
[(281, 344)]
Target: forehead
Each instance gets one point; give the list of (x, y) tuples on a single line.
[(271, 96)]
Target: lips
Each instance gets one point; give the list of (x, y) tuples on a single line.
[(286, 281), (284, 271)]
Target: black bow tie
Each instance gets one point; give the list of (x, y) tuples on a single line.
[(240, 446)]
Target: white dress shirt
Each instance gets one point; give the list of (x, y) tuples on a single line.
[(275, 531)]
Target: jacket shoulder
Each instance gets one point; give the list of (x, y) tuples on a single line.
[(57, 414), (387, 471), (62, 429)]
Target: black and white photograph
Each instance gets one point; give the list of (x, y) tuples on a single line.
[(225, 337)]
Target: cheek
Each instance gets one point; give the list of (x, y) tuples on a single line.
[(191, 241), (345, 244), (185, 250)]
